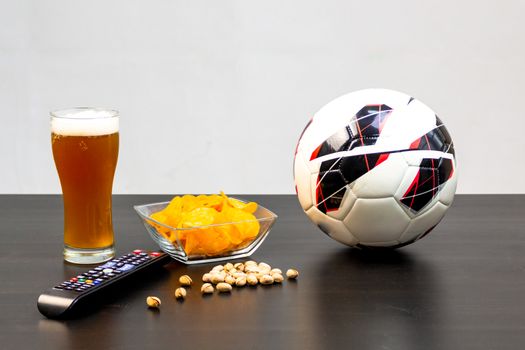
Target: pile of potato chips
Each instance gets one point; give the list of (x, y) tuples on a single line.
[(233, 224)]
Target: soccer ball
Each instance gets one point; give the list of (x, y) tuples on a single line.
[(375, 168)]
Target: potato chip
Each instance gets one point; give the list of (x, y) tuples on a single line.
[(198, 217), (212, 201), (208, 224), (189, 202), (192, 244), (162, 218), (215, 241), (175, 205), (250, 207)]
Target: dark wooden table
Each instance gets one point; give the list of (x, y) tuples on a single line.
[(462, 287)]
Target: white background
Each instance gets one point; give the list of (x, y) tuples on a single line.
[(214, 94)]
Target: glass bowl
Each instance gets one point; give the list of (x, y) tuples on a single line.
[(175, 246)]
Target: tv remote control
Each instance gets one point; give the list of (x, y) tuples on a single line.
[(61, 300)]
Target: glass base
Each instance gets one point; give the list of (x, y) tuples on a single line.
[(88, 256)]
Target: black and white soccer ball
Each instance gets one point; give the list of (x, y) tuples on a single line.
[(375, 168)]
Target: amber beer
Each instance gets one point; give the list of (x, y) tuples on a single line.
[(85, 145)]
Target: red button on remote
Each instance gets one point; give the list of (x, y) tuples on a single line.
[(155, 254), (74, 279), (137, 251)]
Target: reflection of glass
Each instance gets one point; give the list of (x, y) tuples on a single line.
[(85, 148)]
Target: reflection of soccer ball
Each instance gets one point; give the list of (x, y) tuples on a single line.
[(375, 168)]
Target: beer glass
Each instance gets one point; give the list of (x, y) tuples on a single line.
[(85, 145)]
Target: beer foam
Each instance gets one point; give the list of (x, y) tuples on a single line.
[(84, 122)]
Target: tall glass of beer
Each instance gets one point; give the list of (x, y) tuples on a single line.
[(85, 145)]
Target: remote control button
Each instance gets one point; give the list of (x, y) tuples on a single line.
[(92, 271), (119, 265), (89, 281), (155, 254), (98, 268), (143, 254), (79, 290), (108, 264), (96, 282), (126, 267), (58, 287), (106, 271), (109, 275), (74, 279), (137, 251), (68, 288), (117, 272)]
